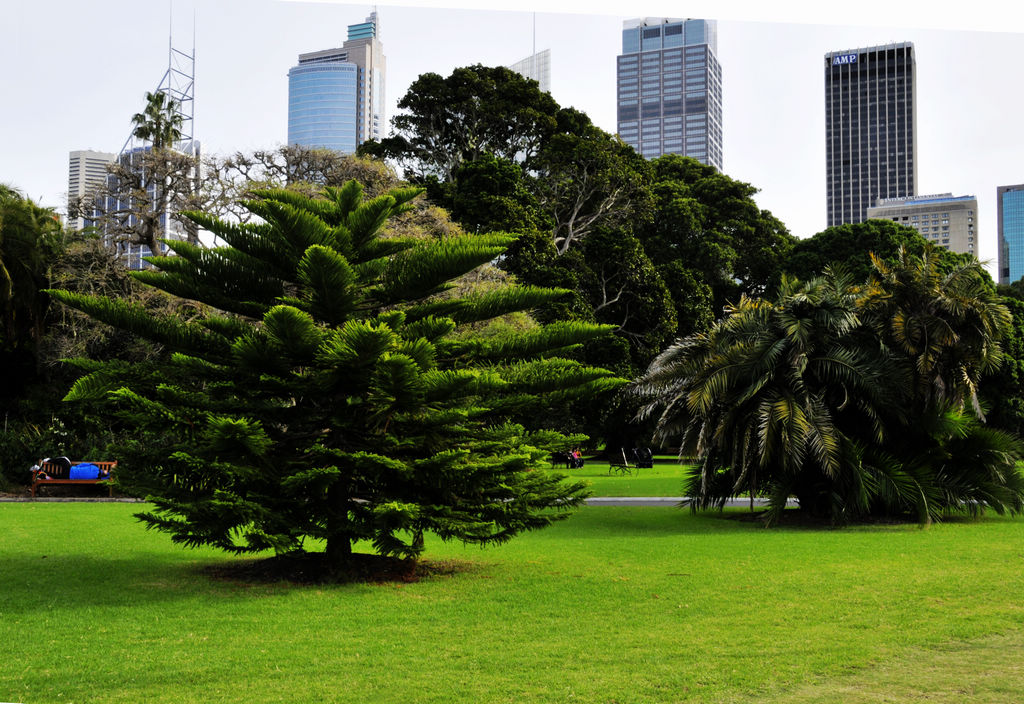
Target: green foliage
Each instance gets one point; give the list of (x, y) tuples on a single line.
[(30, 238), (341, 397), (947, 323), (491, 193), (709, 223), (852, 245), (1003, 390), (857, 400), (476, 111), (160, 122)]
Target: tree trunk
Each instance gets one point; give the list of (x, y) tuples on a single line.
[(339, 541)]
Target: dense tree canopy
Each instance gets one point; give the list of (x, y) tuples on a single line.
[(709, 223), (476, 111), (330, 384), (30, 237), (851, 246)]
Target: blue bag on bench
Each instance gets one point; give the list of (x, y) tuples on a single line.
[(86, 470)]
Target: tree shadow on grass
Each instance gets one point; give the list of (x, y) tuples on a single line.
[(32, 583), (312, 568), (53, 581)]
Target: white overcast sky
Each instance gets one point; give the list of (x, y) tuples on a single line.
[(74, 72)]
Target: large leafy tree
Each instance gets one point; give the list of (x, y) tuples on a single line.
[(332, 386), (856, 399), (852, 245), (495, 150), (707, 222), (587, 180), (30, 238), (476, 111)]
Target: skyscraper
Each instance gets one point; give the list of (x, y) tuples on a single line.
[(87, 174), (336, 96), (870, 128), (670, 88), (1010, 221), (536, 66)]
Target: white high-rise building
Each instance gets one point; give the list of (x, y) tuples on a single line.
[(945, 220), (536, 66), (87, 174)]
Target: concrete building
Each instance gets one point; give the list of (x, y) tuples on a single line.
[(87, 174), (336, 96), (870, 128), (1010, 223), (536, 66), (945, 220), (670, 88)]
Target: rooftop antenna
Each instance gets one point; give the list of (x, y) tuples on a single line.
[(533, 54), (178, 83)]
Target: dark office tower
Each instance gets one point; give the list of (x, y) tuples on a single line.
[(670, 88), (870, 129)]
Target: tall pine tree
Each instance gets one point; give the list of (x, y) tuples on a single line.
[(332, 386)]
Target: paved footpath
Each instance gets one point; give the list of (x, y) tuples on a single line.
[(666, 501), (592, 501)]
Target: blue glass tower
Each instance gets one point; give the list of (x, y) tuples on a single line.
[(1010, 205), (336, 96), (670, 88)]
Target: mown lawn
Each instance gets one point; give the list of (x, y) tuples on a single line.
[(614, 605), (665, 478)]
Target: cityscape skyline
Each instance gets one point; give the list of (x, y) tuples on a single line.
[(774, 122)]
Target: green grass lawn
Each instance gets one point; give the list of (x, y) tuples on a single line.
[(614, 605), (663, 479)]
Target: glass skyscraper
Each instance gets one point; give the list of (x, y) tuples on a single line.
[(870, 129), (670, 88), (1010, 221), (336, 96)]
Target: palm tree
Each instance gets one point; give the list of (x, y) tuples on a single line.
[(855, 399), (759, 398), (948, 325), (160, 122)]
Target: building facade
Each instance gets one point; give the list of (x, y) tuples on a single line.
[(670, 88), (536, 66), (945, 220), (336, 96), (870, 129), (87, 174), (1010, 223)]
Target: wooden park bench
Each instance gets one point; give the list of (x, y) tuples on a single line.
[(619, 463), (47, 472)]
